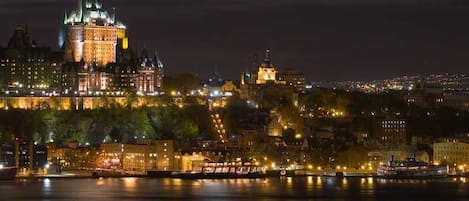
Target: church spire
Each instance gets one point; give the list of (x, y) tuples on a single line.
[(267, 58), (267, 55)]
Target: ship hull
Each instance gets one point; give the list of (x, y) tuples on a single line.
[(413, 173), (217, 175)]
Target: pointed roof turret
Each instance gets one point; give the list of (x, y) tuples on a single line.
[(79, 9), (88, 4), (145, 60), (159, 64), (91, 11), (65, 17), (144, 53)]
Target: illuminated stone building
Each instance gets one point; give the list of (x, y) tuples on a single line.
[(143, 76), (140, 157), (25, 65), (98, 56), (150, 73), (265, 83), (124, 77), (92, 34), (72, 156), (79, 78), (267, 72), (451, 152), (91, 80)]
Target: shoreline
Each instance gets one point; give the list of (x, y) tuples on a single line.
[(216, 178)]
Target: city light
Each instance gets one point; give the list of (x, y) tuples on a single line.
[(103, 107)]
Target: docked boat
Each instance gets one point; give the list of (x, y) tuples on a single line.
[(7, 173), (411, 168), (226, 170), (333, 174), (107, 173), (200, 175)]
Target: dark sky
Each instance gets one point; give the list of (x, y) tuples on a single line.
[(325, 39)]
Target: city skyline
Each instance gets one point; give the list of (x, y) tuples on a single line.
[(234, 99), (326, 41)]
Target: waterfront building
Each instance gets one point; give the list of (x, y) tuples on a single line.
[(164, 154), (451, 152), (140, 157), (7, 155), (191, 162), (26, 155), (72, 156), (30, 156)]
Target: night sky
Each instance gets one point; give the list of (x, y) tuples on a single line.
[(325, 39)]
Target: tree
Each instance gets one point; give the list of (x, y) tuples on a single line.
[(183, 83)]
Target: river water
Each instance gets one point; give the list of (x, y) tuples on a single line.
[(288, 188)]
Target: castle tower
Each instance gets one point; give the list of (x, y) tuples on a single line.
[(92, 34)]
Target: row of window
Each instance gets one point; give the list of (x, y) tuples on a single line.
[(393, 122)]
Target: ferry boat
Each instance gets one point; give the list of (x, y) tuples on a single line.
[(333, 174), (411, 168), (7, 173), (106, 173), (226, 170)]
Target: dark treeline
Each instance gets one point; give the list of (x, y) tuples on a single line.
[(113, 124)]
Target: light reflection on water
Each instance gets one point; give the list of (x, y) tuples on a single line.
[(130, 184), (285, 188)]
